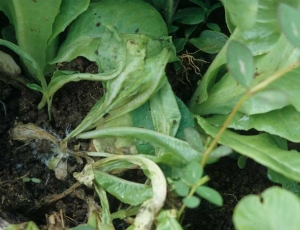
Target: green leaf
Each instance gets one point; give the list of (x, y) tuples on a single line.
[(165, 113), (209, 41), (267, 122), (286, 183), (260, 148), (167, 219), (187, 119), (265, 37), (190, 16), (33, 21), (210, 195), (220, 151), (35, 180), (179, 44), (191, 202), (192, 173), (128, 192), (242, 161), (268, 211), (26, 179), (69, 10), (200, 3), (288, 18), (214, 27), (241, 14), (178, 148), (240, 63), (194, 139), (181, 188)]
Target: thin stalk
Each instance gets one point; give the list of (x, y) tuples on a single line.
[(202, 181), (260, 86)]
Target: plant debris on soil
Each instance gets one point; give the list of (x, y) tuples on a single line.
[(23, 201)]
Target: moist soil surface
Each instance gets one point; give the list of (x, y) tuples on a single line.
[(38, 200)]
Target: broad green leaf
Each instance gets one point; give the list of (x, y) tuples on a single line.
[(128, 192), (241, 14), (187, 119), (141, 117), (69, 10), (190, 16), (193, 173), (167, 220), (288, 18), (261, 38), (191, 202), (180, 149), (33, 21), (274, 209), (144, 19), (240, 63), (165, 113), (181, 188), (226, 93), (194, 139), (286, 183), (210, 41), (260, 148), (288, 127), (210, 195)]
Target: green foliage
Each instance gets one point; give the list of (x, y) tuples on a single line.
[(268, 211), (252, 83), (192, 183)]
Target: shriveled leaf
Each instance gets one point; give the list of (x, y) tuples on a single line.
[(210, 41), (288, 18), (268, 211), (260, 148), (240, 63), (128, 192), (210, 195)]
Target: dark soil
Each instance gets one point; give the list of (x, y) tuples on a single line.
[(23, 201)]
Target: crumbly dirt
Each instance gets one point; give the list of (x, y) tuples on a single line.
[(23, 201)]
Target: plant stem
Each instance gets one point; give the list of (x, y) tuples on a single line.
[(260, 86), (224, 127), (202, 181)]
